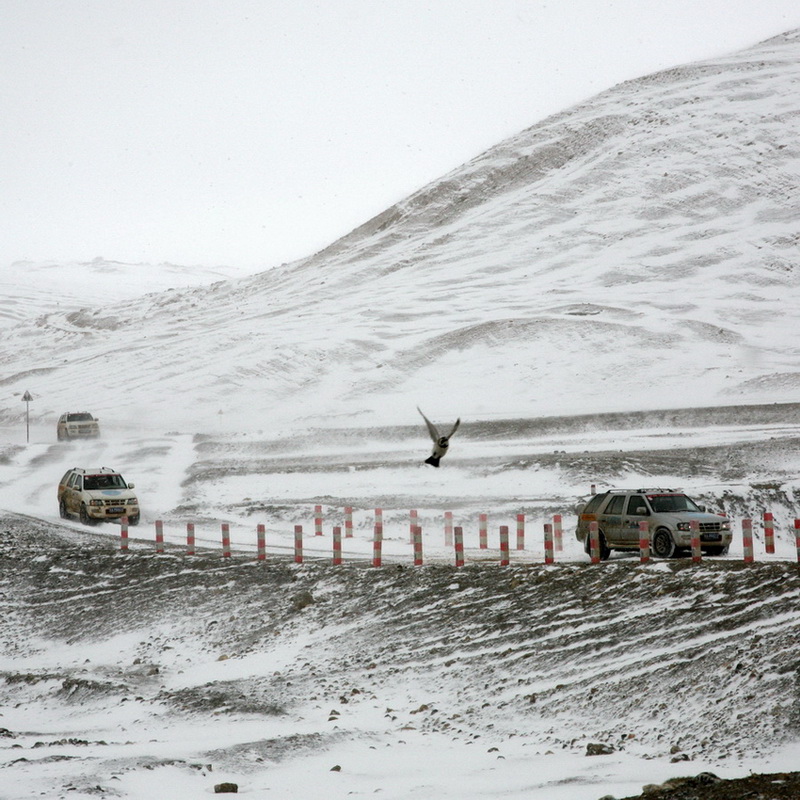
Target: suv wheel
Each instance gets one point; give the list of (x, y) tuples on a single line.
[(85, 518), (605, 550), (134, 520), (62, 508), (663, 544)]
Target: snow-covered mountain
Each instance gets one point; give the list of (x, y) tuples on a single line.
[(636, 251)]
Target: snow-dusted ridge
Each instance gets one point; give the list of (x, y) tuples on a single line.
[(667, 204)]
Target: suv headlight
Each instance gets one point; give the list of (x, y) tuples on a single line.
[(684, 526), (725, 525), (132, 501), (96, 503)]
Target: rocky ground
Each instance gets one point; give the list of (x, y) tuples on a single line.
[(707, 786), (667, 661)]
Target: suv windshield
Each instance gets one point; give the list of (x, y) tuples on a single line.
[(671, 502), (93, 482), (81, 417)]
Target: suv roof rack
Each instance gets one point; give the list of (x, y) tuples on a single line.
[(656, 489)]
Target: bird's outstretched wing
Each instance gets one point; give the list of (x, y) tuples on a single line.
[(431, 427), (455, 428)]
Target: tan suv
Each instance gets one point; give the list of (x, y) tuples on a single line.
[(77, 424), (669, 515), (95, 495)]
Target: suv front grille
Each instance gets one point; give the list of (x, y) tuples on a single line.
[(710, 527)]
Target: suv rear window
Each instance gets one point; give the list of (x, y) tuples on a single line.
[(594, 503)]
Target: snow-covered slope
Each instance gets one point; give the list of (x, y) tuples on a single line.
[(636, 251)]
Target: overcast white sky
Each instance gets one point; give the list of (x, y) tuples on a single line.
[(252, 132)]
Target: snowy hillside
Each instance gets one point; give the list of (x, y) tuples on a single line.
[(636, 251)]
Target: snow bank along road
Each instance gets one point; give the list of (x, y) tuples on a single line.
[(117, 665)]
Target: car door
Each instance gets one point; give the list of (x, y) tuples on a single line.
[(610, 521), (635, 512), (73, 493)]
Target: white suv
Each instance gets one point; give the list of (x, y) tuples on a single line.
[(97, 494), (76, 424)]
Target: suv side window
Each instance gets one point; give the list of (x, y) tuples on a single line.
[(75, 481), (635, 502), (615, 506)]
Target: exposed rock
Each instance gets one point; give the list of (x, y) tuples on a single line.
[(598, 749)]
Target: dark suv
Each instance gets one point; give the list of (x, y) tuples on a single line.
[(668, 513)]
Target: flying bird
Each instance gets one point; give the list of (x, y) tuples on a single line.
[(440, 443)]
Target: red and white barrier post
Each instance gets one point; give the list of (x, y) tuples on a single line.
[(377, 539), (448, 528), (594, 543), (261, 535), (769, 532), (337, 545), (697, 554), (520, 531), (558, 533), (505, 558), (593, 489), (317, 520), (458, 543), (190, 551), (549, 558), (797, 538), (747, 540), (644, 542), (226, 540), (298, 544), (417, 546), (123, 534), (348, 522), (483, 531), (159, 536), (412, 524)]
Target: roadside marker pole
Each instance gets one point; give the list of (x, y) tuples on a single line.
[(769, 531), (747, 540), (226, 540), (504, 554), (593, 489), (458, 535), (412, 524), (377, 538), (337, 545), (797, 538), (298, 544), (448, 528), (520, 531), (190, 539), (123, 534), (697, 555), (417, 546), (483, 537), (317, 520), (159, 536), (644, 542), (348, 522), (261, 534), (594, 543), (558, 533), (548, 544)]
